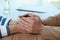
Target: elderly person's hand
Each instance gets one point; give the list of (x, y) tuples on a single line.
[(28, 23), (35, 24)]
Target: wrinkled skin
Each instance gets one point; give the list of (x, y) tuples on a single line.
[(28, 23)]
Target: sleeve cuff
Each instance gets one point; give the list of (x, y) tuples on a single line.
[(4, 29)]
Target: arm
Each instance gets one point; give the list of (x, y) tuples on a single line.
[(12, 27), (28, 23), (25, 24)]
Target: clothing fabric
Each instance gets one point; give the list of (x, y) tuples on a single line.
[(4, 29)]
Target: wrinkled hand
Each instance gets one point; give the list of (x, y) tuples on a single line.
[(30, 23)]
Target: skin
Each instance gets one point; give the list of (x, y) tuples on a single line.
[(28, 23)]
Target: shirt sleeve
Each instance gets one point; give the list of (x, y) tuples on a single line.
[(4, 29)]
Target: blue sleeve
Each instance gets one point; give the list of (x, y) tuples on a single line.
[(4, 29)]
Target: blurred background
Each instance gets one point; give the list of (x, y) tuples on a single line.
[(50, 7)]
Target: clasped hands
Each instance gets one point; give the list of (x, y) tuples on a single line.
[(28, 23)]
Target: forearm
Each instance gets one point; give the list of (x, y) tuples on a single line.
[(26, 24)]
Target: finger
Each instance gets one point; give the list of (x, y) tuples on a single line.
[(28, 20), (26, 23), (23, 29), (31, 18), (23, 23), (34, 18)]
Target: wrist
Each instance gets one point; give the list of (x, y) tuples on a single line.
[(13, 27)]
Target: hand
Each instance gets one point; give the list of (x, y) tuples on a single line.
[(33, 22), (23, 26), (28, 23)]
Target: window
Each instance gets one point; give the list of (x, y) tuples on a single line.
[(8, 7)]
